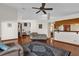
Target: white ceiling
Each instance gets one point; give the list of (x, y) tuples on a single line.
[(59, 9)]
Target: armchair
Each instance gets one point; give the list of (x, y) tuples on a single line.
[(14, 50)]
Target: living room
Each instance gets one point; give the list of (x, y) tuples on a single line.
[(19, 23)]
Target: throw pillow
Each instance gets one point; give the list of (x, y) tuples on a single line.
[(3, 46)]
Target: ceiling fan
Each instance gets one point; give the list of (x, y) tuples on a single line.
[(42, 8)]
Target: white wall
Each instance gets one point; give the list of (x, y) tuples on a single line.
[(7, 13), (9, 32), (71, 37), (61, 28), (26, 28), (74, 27), (56, 18), (35, 26)]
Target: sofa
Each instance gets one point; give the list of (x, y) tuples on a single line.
[(42, 49), (36, 36)]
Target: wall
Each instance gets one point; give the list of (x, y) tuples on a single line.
[(74, 27), (7, 13), (67, 21), (9, 30), (71, 37), (61, 28), (28, 28), (58, 18), (35, 26)]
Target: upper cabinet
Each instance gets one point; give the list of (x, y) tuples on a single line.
[(67, 25)]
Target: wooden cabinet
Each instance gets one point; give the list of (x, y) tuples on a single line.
[(74, 49)]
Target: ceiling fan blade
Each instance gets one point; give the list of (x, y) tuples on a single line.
[(35, 8), (44, 12), (48, 8), (38, 11), (43, 5)]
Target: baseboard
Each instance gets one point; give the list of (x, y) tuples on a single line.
[(10, 40)]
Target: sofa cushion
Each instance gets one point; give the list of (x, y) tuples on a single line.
[(38, 36)]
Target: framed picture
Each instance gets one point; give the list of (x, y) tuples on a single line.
[(25, 24), (40, 26)]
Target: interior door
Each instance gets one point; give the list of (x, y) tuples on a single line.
[(19, 29)]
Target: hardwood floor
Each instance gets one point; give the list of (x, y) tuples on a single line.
[(72, 48), (10, 41), (24, 40), (27, 39)]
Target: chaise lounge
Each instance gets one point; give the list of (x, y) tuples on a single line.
[(11, 49)]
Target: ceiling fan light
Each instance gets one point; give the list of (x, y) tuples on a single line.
[(42, 8)]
